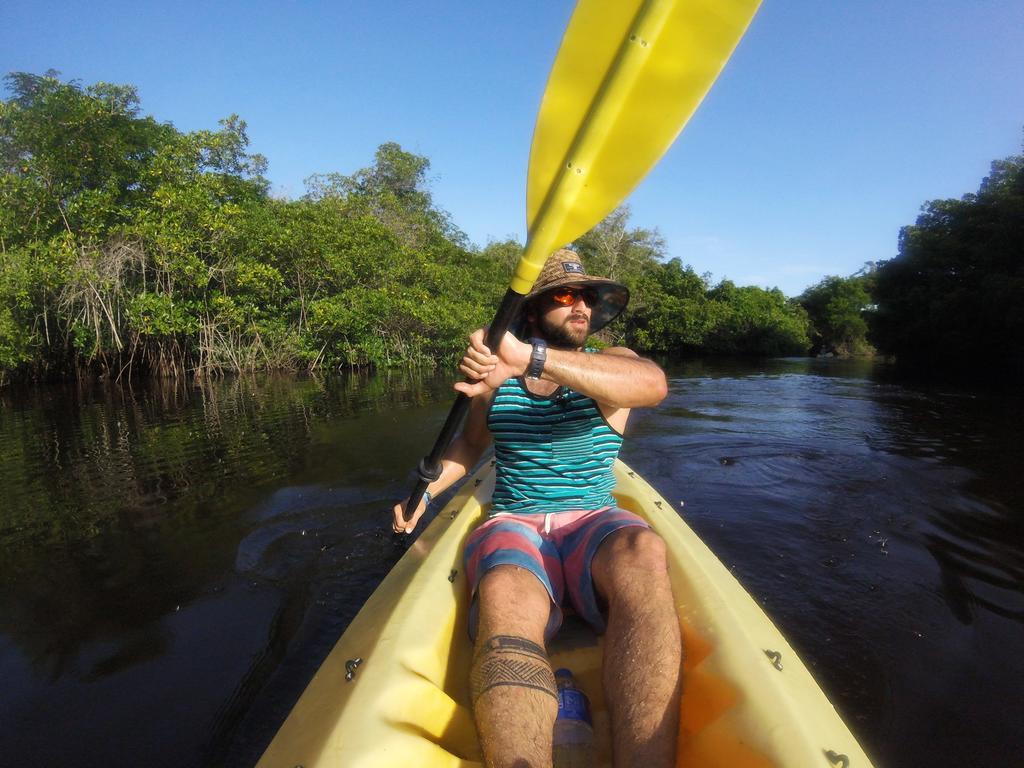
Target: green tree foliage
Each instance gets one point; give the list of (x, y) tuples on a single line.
[(753, 321), (114, 226), (129, 246), (392, 191), (504, 253), (837, 308), (614, 250), (954, 296), (673, 310)]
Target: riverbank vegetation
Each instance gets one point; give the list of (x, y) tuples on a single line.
[(951, 300), (954, 296), (130, 247), (838, 308)]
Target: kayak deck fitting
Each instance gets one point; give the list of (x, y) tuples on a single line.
[(394, 691)]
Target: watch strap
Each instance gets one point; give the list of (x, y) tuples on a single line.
[(538, 357)]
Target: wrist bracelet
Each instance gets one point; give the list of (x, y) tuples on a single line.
[(428, 497)]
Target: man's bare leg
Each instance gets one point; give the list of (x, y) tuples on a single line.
[(514, 696), (643, 648)]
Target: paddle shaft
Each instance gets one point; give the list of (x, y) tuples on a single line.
[(430, 466)]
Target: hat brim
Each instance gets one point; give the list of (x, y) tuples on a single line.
[(612, 297)]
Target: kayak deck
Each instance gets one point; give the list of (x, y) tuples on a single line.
[(747, 702)]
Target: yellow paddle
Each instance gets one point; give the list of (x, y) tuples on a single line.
[(628, 75)]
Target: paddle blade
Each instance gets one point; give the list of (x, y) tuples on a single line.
[(628, 76)]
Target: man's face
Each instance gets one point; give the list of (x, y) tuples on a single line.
[(563, 316)]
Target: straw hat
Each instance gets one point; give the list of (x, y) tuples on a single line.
[(564, 268)]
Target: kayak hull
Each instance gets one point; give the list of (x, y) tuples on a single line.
[(395, 688)]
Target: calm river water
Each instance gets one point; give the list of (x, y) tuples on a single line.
[(176, 560)]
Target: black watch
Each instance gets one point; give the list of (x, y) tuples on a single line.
[(538, 357)]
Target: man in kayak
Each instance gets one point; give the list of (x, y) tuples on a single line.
[(555, 412)]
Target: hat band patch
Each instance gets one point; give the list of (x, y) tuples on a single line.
[(573, 267)]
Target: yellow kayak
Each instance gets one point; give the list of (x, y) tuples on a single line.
[(394, 691)]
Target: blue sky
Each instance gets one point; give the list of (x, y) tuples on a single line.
[(831, 125)]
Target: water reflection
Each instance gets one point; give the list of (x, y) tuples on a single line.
[(976, 536), (129, 514), (178, 558)]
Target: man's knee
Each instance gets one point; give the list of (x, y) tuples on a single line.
[(515, 598), (510, 582), (626, 555), (633, 547)]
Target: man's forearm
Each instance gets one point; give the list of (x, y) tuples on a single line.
[(613, 379), (461, 456)]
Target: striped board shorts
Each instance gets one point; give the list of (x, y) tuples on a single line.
[(557, 548)]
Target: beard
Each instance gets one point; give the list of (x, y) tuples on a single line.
[(564, 335)]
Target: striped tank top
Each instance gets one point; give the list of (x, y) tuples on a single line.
[(554, 453)]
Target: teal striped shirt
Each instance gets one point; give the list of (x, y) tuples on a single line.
[(554, 453)]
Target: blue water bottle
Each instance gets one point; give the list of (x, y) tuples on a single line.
[(574, 730)]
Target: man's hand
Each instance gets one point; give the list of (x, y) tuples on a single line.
[(486, 371), (399, 525)]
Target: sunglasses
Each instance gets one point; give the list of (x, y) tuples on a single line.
[(567, 296)]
